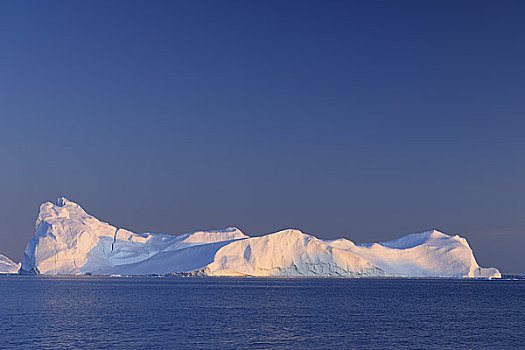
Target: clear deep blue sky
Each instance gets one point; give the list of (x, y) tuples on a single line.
[(367, 120)]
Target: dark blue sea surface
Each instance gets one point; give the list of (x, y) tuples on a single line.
[(88, 312)]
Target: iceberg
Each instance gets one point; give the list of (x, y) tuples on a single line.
[(427, 254), (70, 241), (7, 265)]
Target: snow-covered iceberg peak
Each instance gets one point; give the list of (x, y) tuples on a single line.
[(7, 265), (63, 201), (426, 254), (70, 241), (289, 253)]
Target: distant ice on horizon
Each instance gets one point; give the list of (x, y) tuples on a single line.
[(7, 265)]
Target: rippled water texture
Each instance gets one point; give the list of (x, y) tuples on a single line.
[(179, 313)]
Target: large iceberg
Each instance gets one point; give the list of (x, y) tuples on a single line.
[(70, 241), (7, 265)]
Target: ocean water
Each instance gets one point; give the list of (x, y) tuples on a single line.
[(90, 312)]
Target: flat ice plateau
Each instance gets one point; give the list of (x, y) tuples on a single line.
[(70, 241)]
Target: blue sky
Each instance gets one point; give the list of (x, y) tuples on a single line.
[(367, 120)]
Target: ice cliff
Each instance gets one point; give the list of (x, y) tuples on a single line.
[(70, 241), (7, 265)]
